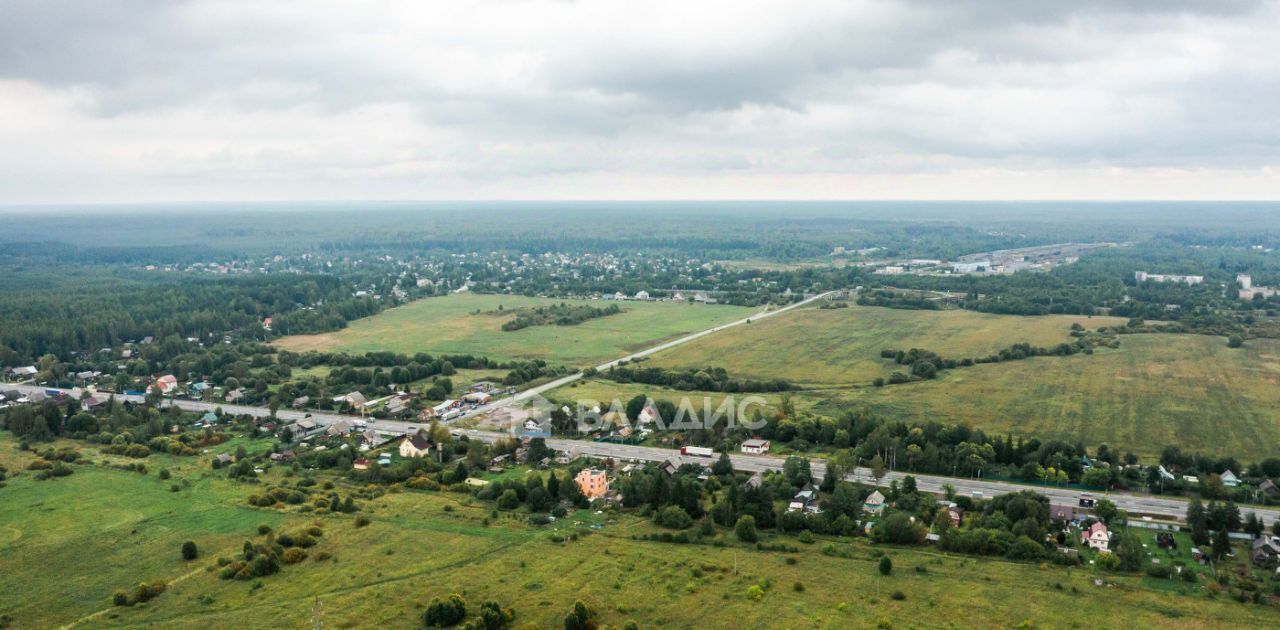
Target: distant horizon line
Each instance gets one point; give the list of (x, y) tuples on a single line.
[(90, 204)]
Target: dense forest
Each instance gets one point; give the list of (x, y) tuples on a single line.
[(105, 312)]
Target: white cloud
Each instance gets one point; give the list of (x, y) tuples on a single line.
[(133, 101)]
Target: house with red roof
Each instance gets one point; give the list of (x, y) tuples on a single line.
[(1097, 537)]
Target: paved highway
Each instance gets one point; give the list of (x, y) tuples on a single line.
[(1133, 503)]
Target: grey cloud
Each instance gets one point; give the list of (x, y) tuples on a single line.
[(869, 87)]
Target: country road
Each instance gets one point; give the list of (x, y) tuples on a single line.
[(565, 380), (1135, 504)]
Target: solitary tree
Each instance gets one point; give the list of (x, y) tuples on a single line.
[(1128, 550), (579, 618), (635, 406), (1106, 511), (1198, 521), (878, 469), (886, 565), (745, 529), (189, 551), (1253, 525), (443, 613), (1221, 543), (722, 466)]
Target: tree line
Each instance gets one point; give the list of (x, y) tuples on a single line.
[(558, 315), (708, 379)]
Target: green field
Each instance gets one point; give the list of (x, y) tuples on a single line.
[(450, 325), (67, 544), (1186, 390), (834, 347)]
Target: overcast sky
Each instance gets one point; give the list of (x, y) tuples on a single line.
[(118, 101)]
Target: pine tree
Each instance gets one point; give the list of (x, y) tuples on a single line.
[(1221, 544), (553, 486), (1197, 520)]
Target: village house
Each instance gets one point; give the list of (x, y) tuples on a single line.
[(874, 503), (340, 428), (25, 371), (445, 407), (1269, 488), (482, 387), (301, 401), (755, 446), (166, 384), (197, 389), (92, 402), (1097, 537), (355, 399), (1064, 513), (370, 439), (235, 394), (806, 500), (1265, 551), (593, 482), (1229, 479), (419, 444), (398, 403), (360, 464), (304, 429)]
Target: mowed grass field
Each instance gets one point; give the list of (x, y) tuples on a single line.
[(1191, 391), (68, 544), (450, 325), (816, 347)]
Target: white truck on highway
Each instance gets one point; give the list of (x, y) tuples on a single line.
[(696, 451)]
